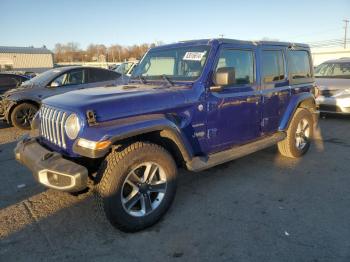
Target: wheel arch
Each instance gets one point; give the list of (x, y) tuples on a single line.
[(164, 137), (158, 130), (14, 104), (304, 100)]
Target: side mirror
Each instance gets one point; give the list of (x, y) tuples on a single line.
[(54, 84), (224, 76)]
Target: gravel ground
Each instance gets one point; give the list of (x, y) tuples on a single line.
[(263, 207)]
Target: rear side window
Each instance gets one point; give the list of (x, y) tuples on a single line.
[(272, 66), (8, 81), (100, 75), (242, 61), (299, 66)]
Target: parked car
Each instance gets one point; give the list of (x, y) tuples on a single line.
[(194, 104), (333, 81), (11, 80), (126, 68), (18, 106)]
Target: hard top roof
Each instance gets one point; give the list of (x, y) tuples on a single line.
[(232, 41)]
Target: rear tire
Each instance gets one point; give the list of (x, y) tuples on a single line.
[(299, 135), (137, 185), (22, 115)]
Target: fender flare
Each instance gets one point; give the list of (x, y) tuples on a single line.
[(135, 126), (304, 100)]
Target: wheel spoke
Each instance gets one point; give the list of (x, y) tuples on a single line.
[(158, 187), (306, 127), (150, 171), (132, 199), (133, 178), (146, 205)]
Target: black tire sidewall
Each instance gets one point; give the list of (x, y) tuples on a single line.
[(112, 201), (14, 112)]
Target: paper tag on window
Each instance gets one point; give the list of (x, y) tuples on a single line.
[(194, 56)]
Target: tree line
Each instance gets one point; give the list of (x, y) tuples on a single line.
[(71, 52)]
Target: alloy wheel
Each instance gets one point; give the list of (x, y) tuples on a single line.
[(144, 189)]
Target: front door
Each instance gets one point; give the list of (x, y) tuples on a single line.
[(234, 113), (68, 81)]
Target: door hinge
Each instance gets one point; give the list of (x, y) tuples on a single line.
[(212, 132)]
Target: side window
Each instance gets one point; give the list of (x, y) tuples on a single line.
[(272, 66), (242, 61), (299, 66), (8, 81), (100, 75), (74, 77)]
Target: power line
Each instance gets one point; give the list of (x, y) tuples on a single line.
[(327, 43)]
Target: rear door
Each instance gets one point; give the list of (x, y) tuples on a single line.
[(276, 91), (101, 77)]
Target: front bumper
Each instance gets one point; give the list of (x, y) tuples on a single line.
[(338, 105), (50, 168)]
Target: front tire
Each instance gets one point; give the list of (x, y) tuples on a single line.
[(137, 185), (22, 115), (299, 135)]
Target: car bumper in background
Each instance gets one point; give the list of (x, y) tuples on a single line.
[(2, 109), (338, 105), (50, 168)]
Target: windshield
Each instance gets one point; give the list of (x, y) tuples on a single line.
[(333, 70), (43, 77), (176, 64), (124, 68)]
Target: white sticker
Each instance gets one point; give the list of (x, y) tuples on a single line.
[(194, 56)]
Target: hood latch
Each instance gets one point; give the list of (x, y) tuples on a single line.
[(91, 117)]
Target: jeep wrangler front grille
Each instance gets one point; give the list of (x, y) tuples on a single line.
[(52, 125)]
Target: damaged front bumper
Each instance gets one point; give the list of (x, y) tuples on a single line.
[(50, 168)]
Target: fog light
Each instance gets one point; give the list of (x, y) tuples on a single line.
[(100, 145)]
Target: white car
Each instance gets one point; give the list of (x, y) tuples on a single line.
[(333, 82)]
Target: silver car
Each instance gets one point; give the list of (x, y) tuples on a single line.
[(333, 82)]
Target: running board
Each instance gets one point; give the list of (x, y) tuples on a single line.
[(201, 163)]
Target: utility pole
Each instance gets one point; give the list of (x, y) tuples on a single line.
[(345, 32)]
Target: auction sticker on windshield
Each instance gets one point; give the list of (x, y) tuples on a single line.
[(194, 56)]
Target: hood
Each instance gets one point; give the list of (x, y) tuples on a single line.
[(332, 83), (20, 89), (115, 102), (333, 87)]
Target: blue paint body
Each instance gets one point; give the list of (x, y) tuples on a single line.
[(205, 122)]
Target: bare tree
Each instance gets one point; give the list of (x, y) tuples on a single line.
[(70, 52)]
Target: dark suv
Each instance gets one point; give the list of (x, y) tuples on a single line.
[(192, 104), (18, 106)]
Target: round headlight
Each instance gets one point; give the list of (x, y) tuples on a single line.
[(72, 126)]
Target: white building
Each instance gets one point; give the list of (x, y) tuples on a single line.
[(25, 59), (320, 55)]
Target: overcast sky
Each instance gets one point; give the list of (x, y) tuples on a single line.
[(128, 22)]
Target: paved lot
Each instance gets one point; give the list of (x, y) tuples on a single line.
[(263, 207)]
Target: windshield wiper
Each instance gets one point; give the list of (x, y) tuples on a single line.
[(168, 80)]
